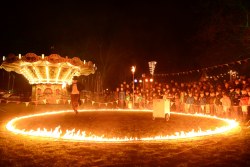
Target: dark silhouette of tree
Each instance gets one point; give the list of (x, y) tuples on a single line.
[(245, 26), (219, 38)]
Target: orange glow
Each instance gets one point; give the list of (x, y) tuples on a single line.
[(81, 135)]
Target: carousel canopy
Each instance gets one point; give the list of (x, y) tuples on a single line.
[(52, 69)]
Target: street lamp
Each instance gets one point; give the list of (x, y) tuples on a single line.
[(133, 72), (152, 65)]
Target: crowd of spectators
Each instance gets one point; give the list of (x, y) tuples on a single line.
[(226, 98), (223, 98)]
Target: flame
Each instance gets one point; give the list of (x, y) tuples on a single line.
[(81, 135)]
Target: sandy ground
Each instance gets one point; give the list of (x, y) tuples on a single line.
[(230, 149)]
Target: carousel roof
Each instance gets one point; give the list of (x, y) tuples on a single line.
[(52, 69)]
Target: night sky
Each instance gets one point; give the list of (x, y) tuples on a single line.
[(179, 35)]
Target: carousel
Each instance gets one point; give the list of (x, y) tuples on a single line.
[(48, 75)]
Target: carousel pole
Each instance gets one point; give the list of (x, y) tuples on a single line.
[(13, 81), (9, 82)]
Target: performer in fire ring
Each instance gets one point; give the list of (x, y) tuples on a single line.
[(75, 89)]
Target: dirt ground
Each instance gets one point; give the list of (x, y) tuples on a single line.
[(229, 149)]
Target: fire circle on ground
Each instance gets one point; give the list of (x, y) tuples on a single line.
[(81, 135)]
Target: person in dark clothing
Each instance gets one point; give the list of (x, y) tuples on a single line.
[(236, 109), (75, 89), (189, 103), (196, 104)]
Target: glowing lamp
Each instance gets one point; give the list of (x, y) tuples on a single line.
[(133, 69), (63, 85)]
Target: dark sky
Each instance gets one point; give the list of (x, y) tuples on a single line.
[(179, 35)]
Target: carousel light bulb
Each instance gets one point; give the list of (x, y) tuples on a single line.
[(63, 85)]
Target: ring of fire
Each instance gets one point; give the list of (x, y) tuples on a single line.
[(79, 135)]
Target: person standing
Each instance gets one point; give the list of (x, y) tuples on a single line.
[(226, 104), (75, 89), (244, 100), (127, 100), (203, 102), (212, 103), (121, 98), (196, 104), (189, 103), (218, 104)]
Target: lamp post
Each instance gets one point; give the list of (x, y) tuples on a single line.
[(143, 87), (152, 65), (133, 72)]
